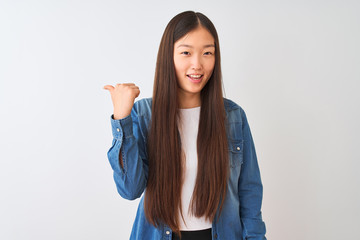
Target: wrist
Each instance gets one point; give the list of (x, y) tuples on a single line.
[(118, 116)]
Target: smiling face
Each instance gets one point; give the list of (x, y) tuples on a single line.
[(194, 60)]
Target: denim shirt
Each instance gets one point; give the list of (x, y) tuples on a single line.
[(241, 214)]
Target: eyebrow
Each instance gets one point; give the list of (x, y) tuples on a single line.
[(189, 46)]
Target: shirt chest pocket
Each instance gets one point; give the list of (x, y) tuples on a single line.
[(235, 152)]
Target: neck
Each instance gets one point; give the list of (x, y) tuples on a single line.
[(189, 100)]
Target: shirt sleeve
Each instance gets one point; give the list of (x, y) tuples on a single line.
[(250, 189), (128, 141)]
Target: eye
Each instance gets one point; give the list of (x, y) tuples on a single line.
[(185, 53), (208, 53)]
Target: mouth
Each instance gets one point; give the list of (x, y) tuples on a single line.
[(195, 78)]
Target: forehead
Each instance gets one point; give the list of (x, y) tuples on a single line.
[(197, 37)]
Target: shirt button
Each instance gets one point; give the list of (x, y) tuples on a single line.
[(167, 232), (118, 129), (238, 148)]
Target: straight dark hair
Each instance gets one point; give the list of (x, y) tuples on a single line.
[(166, 163)]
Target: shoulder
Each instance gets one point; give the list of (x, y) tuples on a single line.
[(142, 107), (232, 107), (234, 112)]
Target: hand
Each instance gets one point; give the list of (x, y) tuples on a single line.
[(123, 98)]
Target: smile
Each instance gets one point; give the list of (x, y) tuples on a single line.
[(195, 78)]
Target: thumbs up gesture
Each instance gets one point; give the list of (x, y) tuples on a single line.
[(123, 98)]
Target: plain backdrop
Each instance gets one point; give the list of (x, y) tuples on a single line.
[(292, 65)]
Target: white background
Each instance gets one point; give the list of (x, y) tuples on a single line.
[(292, 65)]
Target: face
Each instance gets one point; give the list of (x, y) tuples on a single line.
[(194, 60)]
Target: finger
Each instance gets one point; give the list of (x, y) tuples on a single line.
[(128, 84), (109, 87)]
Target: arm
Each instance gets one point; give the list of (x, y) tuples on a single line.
[(250, 189), (127, 156)]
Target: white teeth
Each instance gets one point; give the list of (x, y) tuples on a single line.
[(195, 76)]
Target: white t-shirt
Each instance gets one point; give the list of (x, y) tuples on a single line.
[(188, 128)]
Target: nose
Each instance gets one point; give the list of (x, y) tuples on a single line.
[(196, 62)]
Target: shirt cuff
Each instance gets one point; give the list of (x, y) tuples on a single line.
[(121, 127)]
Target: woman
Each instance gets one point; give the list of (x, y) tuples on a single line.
[(188, 149)]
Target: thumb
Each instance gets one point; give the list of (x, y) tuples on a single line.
[(138, 93), (109, 87)]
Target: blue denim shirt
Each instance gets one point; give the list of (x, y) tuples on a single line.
[(241, 215)]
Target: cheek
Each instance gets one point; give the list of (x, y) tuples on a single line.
[(179, 73), (179, 67), (210, 67)]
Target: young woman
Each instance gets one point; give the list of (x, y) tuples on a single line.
[(188, 149)]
